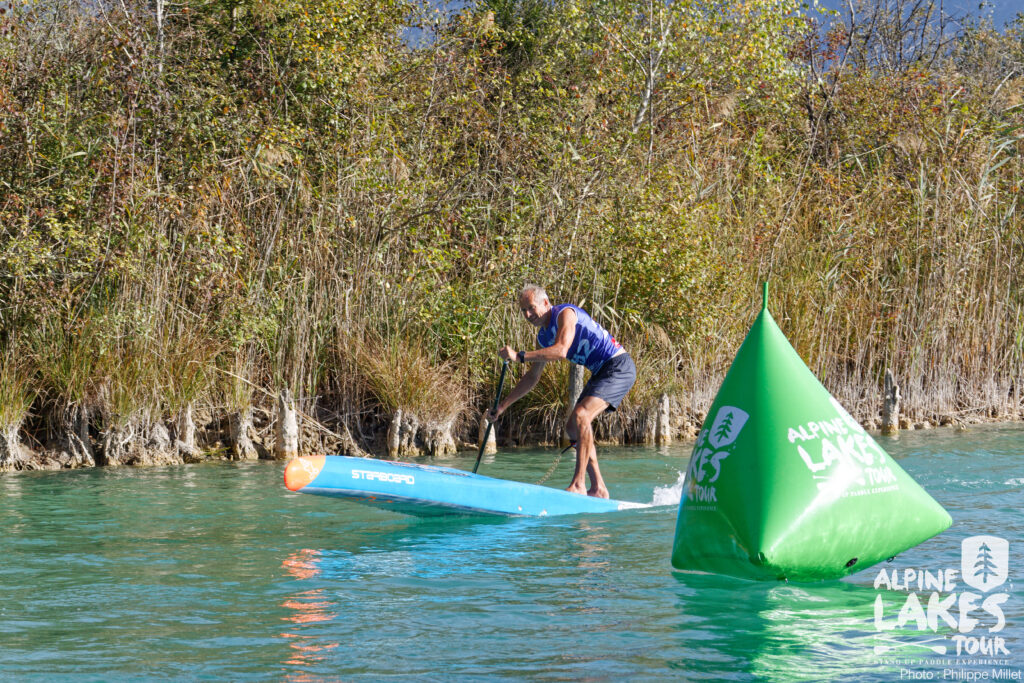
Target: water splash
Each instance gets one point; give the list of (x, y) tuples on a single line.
[(671, 494)]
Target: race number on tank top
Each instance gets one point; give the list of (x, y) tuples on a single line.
[(591, 345)]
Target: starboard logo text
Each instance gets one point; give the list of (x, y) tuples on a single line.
[(393, 477), (961, 599)]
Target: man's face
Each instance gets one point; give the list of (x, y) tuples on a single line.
[(534, 308)]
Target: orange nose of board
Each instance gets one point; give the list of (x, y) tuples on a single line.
[(301, 471)]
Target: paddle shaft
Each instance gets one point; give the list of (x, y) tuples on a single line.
[(487, 432)]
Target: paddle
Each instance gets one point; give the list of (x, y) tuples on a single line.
[(487, 432)]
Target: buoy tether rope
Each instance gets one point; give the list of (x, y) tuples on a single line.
[(554, 465)]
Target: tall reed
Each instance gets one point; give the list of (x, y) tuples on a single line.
[(349, 215)]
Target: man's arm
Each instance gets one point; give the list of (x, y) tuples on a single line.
[(563, 341), (537, 359), (522, 388)]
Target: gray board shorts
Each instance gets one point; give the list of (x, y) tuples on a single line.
[(612, 381)]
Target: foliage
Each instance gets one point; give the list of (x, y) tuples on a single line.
[(344, 196), (402, 377), (16, 387)]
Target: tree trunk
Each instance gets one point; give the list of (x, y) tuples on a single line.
[(239, 426), (650, 424), (286, 432), (491, 447), (185, 436), (117, 439), (141, 443), (574, 389), (891, 405), (73, 448), (437, 439), (12, 455), (663, 422), (402, 435)]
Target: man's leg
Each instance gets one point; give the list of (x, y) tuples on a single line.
[(597, 487), (580, 428)]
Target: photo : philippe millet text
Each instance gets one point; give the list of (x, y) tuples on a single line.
[(960, 674)]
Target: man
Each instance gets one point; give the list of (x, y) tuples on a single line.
[(567, 332)]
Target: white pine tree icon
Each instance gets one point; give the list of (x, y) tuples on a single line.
[(984, 561), (983, 565), (725, 428), (728, 422)]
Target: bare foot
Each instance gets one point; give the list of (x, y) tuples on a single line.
[(577, 489), (598, 493)]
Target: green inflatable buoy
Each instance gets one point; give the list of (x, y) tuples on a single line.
[(784, 484)]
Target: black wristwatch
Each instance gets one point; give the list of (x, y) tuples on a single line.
[(521, 356)]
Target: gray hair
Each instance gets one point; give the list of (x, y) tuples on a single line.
[(534, 291)]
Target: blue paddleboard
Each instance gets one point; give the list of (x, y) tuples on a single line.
[(429, 490)]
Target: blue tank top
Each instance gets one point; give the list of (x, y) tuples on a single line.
[(591, 345)]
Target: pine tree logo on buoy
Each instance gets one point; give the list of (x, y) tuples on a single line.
[(706, 463), (984, 562), (727, 426)]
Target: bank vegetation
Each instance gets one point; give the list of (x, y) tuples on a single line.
[(206, 202)]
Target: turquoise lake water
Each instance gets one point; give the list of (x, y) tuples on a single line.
[(217, 572)]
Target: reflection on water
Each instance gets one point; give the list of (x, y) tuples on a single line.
[(828, 625), (303, 564), (307, 607), (217, 571), (776, 632), (590, 547), (588, 551)]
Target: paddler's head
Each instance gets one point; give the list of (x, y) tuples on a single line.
[(535, 305)]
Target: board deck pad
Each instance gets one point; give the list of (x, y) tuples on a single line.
[(431, 490)]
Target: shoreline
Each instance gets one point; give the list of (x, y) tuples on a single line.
[(213, 441)]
